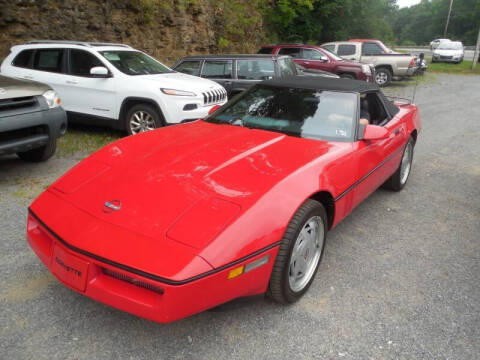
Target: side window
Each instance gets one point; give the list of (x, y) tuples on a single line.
[(82, 61), (265, 50), (48, 60), (293, 52), (344, 50), (218, 69), (330, 48), (312, 54), (23, 59), (371, 49), (372, 104), (287, 67), (189, 67), (255, 69)]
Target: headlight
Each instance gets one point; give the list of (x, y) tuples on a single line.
[(177, 92), (366, 69), (52, 99)]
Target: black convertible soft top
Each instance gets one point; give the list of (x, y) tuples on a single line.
[(323, 83), (332, 84)]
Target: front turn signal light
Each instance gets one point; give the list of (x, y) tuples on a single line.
[(235, 272)]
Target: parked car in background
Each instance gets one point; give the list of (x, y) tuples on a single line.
[(237, 73), (449, 51), (387, 64), (31, 119), (317, 58), (114, 84), (434, 43)]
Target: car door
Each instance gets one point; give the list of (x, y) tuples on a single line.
[(347, 51), (252, 71), (316, 59), (220, 71), (370, 51), (87, 94), (49, 66), (378, 159)]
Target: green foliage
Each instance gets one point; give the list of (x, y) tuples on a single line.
[(408, 43), (319, 21), (426, 21)]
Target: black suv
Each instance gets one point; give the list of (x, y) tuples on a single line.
[(237, 73)]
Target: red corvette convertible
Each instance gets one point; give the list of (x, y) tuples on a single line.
[(178, 220)]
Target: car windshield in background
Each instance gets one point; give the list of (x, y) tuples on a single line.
[(306, 113), (450, 46), (135, 63)]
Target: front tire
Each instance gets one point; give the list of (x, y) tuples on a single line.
[(383, 76), (141, 118), (399, 178), (40, 154), (300, 253)]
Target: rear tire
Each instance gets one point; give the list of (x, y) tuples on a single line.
[(383, 76), (399, 178), (300, 253), (141, 118), (40, 154)]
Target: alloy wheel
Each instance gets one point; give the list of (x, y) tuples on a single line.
[(306, 253)]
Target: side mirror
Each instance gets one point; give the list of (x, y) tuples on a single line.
[(323, 59), (100, 72), (374, 132)]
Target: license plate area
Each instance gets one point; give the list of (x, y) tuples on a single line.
[(69, 268)]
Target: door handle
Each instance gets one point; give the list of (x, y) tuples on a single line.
[(72, 82), (28, 77), (307, 62), (228, 83)]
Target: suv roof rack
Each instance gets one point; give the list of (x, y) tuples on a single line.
[(81, 43)]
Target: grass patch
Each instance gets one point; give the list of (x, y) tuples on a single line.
[(465, 67), (83, 140)]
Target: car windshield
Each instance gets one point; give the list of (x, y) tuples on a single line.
[(333, 55), (450, 46), (135, 63), (306, 113)]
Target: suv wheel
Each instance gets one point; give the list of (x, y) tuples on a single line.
[(141, 118), (39, 154)]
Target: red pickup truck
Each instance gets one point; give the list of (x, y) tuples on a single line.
[(315, 57)]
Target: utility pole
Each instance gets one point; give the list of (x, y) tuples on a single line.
[(475, 54), (448, 19)]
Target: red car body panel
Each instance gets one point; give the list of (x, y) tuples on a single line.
[(332, 65), (197, 199)]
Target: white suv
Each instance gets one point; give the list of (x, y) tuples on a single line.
[(114, 84)]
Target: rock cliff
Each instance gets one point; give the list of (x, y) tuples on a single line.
[(166, 29)]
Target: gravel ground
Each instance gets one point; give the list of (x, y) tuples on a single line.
[(399, 280)]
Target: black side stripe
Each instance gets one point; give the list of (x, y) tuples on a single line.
[(356, 183), (148, 275)]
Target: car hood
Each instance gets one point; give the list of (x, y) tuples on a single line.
[(179, 81), (183, 184), (445, 52), (13, 88)]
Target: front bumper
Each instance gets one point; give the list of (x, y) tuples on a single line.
[(140, 295), (26, 131), (180, 109)]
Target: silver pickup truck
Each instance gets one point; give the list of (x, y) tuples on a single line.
[(387, 63)]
